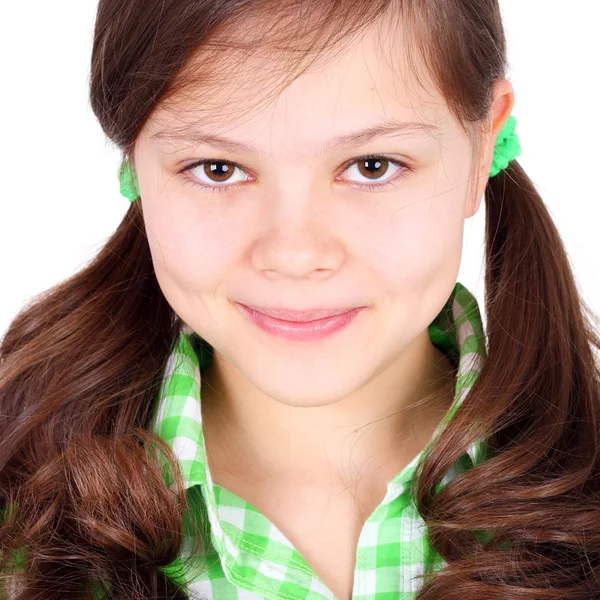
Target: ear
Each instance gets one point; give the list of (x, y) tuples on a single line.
[(503, 100)]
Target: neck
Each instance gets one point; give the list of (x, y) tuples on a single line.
[(251, 436)]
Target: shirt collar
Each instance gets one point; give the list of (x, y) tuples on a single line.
[(456, 330)]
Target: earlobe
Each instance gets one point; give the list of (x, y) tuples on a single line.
[(483, 175), (473, 205)]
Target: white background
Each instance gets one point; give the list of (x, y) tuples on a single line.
[(60, 196)]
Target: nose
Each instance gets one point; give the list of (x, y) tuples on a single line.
[(300, 239)]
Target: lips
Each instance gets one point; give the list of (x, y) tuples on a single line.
[(301, 331), (296, 316)]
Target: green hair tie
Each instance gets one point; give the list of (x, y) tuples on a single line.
[(506, 149), (129, 183)]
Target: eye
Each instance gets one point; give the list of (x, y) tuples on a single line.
[(215, 172), (372, 169)]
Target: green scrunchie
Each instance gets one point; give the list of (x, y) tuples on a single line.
[(506, 149), (128, 182)]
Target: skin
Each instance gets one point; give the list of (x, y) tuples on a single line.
[(302, 232)]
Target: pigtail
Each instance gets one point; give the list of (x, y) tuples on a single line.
[(86, 509), (526, 523)]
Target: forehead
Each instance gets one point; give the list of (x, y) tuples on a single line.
[(362, 80)]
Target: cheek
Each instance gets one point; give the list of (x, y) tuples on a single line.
[(189, 252), (417, 242)]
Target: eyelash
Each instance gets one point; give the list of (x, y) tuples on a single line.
[(404, 171)]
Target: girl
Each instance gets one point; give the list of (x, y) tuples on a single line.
[(268, 383)]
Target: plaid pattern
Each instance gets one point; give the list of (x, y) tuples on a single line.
[(248, 557)]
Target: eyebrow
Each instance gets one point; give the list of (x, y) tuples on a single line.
[(390, 127)]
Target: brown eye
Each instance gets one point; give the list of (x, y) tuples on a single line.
[(373, 168), (377, 169), (212, 173), (218, 170)]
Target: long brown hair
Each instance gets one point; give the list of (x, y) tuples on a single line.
[(82, 364)]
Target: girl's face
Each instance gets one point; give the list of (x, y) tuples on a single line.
[(284, 213)]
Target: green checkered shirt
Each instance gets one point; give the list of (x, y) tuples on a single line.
[(248, 557)]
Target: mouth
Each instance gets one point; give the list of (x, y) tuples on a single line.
[(305, 330), (301, 316)]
